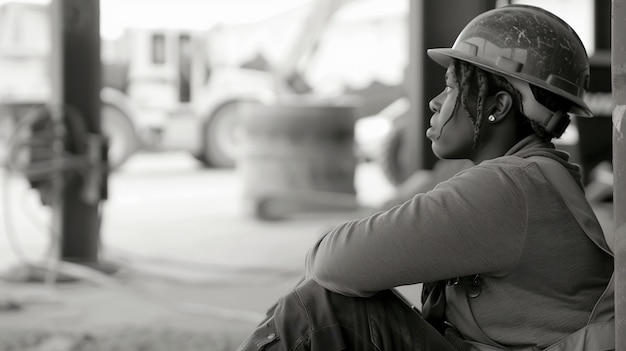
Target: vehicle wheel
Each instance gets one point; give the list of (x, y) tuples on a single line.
[(221, 137), (120, 131), (390, 156)]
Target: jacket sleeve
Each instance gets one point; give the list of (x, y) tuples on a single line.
[(473, 223)]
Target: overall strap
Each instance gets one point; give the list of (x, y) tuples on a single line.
[(599, 333), (575, 200), (462, 319)]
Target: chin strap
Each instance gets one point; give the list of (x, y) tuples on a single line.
[(554, 123)]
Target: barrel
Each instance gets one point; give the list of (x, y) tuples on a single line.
[(297, 156)]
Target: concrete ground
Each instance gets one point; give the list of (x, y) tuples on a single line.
[(193, 270)]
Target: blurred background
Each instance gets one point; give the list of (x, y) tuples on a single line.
[(167, 164)]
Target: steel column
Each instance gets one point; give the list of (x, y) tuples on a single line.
[(431, 24), (618, 63), (76, 71)]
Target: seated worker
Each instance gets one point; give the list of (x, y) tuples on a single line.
[(509, 250)]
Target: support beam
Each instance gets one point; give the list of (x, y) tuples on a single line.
[(76, 70), (618, 63), (602, 25), (426, 78)]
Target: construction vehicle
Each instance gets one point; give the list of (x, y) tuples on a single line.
[(25, 38), (181, 89)]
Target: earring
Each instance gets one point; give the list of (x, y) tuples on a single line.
[(491, 118)]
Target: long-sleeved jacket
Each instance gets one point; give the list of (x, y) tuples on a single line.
[(502, 219)]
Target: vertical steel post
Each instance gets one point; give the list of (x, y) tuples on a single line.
[(414, 133), (618, 65), (602, 26), (76, 79), (431, 24)]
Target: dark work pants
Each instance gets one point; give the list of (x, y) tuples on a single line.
[(313, 318)]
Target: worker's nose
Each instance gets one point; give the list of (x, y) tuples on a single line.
[(435, 103)]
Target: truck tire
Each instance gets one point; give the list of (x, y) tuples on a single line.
[(120, 132), (220, 136)]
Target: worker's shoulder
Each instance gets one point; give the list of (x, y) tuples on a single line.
[(501, 170), (504, 164), (505, 167), (509, 162)]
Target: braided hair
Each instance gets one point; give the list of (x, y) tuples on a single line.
[(476, 84)]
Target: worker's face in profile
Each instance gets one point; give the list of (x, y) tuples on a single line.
[(451, 130)]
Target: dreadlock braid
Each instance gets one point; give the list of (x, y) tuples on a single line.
[(462, 81), (464, 75), (474, 84), (477, 83), (483, 89)]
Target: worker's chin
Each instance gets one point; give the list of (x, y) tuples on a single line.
[(441, 151), (437, 150)]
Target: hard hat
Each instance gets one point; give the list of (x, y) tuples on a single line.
[(526, 44)]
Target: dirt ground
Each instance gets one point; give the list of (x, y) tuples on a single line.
[(191, 269)]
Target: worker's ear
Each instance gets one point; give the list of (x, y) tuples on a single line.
[(501, 106)]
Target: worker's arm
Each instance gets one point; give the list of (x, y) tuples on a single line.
[(472, 223)]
